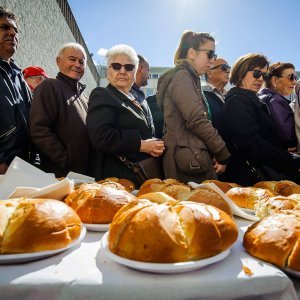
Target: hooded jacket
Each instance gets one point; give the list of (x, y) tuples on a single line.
[(249, 125), (190, 139), (282, 114)]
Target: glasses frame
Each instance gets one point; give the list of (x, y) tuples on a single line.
[(224, 67), (291, 77), (118, 67), (210, 53)]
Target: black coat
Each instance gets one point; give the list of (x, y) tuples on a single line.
[(116, 126), (248, 125)]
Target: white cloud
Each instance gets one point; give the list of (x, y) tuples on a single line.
[(102, 52)]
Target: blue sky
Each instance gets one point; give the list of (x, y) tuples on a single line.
[(154, 27)]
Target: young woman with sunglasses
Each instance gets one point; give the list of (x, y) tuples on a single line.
[(280, 82), (251, 133), (117, 124), (194, 149)]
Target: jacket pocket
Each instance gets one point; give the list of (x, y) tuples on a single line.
[(193, 159), (7, 133)]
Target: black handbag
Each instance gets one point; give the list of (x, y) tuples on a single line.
[(145, 169)]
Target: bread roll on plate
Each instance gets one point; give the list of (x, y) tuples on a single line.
[(126, 183), (163, 233), (268, 185), (276, 239), (246, 197), (96, 203), (33, 225), (287, 188)]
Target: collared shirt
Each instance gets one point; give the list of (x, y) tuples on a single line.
[(211, 88)]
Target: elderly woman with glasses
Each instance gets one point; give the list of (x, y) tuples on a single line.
[(194, 149), (280, 83), (117, 124), (257, 150)]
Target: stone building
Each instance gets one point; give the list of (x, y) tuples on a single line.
[(44, 26)]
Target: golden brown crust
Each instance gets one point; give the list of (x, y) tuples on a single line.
[(163, 233), (286, 188), (268, 185), (268, 206), (275, 239), (97, 203), (37, 225), (246, 197), (126, 183), (210, 197)]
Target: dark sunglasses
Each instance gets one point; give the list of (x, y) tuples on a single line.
[(118, 67), (223, 67), (210, 53), (258, 73), (290, 77)]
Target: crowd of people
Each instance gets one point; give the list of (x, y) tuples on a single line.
[(247, 134)]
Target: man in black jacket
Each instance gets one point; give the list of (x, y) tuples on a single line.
[(214, 90), (15, 97)]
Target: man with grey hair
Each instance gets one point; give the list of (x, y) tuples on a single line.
[(15, 97), (58, 116)]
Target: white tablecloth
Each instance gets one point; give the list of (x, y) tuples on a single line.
[(86, 273)]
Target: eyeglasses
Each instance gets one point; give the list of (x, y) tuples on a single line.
[(118, 67), (224, 67), (290, 77), (258, 73), (210, 53)]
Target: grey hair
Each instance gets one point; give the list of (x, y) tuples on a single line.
[(71, 45), (125, 50)]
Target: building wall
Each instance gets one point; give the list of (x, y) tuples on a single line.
[(42, 31)]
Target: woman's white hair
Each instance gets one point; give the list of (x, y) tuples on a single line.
[(125, 50), (71, 45)]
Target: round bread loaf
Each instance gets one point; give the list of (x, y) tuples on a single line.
[(163, 233), (203, 195), (268, 206), (32, 225), (268, 185), (287, 188), (172, 187), (96, 203), (126, 183), (247, 196), (276, 239)]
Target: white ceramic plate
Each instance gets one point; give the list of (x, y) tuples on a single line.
[(161, 267), (292, 272), (26, 257), (96, 227), (249, 211)]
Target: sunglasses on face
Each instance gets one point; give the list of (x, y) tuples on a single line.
[(223, 67), (258, 73), (210, 53), (118, 67), (290, 77)]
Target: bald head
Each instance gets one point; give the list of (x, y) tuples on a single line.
[(218, 74)]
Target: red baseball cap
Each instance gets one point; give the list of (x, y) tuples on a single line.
[(34, 71)]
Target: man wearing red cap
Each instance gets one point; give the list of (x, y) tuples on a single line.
[(34, 76), (15, 96)]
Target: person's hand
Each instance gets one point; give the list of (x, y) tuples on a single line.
[(3, 168), (219, 168), (293, 150), (153, 147)]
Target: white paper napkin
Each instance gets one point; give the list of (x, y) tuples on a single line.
[(236, 210), (23, 179)]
